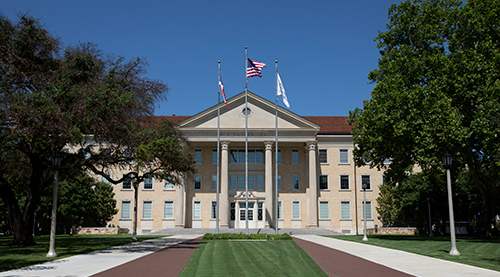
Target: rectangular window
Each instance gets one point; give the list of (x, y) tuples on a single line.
[(127, 183), (345, 210), (214, 182), (279, 182), (125, 210), (197, 182), (214, 156), (365, 179), (260, 212), (279, 156), (295, 182), (254, 156), (241, 182), (295, 156), (168, 210), (323, 182), (197, 156), (323, 210), (197, 210), (148, 182), (251, 182), (233, 182), (295, 209), (168, 185), (260, 182), (343, 156), (232, 215), (367, 210), (344, 182), (147, 210), (323, 156), (280, 209), (213, 211)]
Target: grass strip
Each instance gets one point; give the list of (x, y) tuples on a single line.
[(13, 257), (250, 258), (475, 252)]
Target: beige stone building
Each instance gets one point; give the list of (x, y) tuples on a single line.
[(319, 185)]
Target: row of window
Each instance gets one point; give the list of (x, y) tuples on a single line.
[(256, 156), (255, 182), (168, 210)]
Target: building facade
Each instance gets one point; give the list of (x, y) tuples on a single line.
[(318, 183)]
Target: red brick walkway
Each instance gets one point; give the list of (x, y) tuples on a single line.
[(171, 261)]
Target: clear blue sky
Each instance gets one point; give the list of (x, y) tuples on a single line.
[(325, 49)]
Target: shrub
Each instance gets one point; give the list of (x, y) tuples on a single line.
[(227, 236)]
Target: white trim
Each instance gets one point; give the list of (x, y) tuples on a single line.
[(299, 204)]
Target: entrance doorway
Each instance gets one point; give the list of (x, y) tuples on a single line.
[(241, 213)]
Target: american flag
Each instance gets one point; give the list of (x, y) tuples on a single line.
[(254, 68)]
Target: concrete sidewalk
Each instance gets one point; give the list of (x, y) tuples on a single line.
[(98, 261), (410, 263)]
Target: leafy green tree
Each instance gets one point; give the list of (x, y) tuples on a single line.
[(437, 90), (79, 97), (81, 201)]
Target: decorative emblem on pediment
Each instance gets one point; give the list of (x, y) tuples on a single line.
[(241, 194)]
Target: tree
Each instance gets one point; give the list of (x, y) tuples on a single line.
[(50, 99), (437, 90), (81, 200)]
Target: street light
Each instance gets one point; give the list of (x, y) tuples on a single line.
[(430, 218), (364, 186), (447, 161), (56, 162)]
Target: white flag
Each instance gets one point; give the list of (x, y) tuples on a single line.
[(281, 91)]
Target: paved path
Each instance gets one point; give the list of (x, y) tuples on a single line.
[(98, 261), (409, 263), (167, 256)]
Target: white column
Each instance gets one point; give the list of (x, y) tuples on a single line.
[(224, 185), (179, 203), (312, 195), (269, 184)]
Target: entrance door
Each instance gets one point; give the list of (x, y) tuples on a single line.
[(251, 221)]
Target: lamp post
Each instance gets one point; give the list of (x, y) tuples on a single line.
[(364, 186), (447, 161), (56, 162), (430, 218)]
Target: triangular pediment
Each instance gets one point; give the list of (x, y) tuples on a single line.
[(262, 117)]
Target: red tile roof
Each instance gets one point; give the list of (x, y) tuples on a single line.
[(329, 124)]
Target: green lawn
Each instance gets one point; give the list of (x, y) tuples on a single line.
[(480, 253), (12, 257), (250, 258)]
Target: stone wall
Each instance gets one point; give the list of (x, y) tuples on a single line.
[(99, 231), (392, 231)]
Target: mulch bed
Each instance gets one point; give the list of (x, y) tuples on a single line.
[(171, 261)]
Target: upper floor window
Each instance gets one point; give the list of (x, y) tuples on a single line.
[(254, 156), (197, 156), (148, 182), (366, 179), (295, 182), (344, 182), (343, 156), (127, 183), (168, 185), (214, 156), (295, 156), (323, 182), (323, 156), (197, 182)]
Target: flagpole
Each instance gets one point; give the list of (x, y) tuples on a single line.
[(218, 163), (276, 221), (246, 143)]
